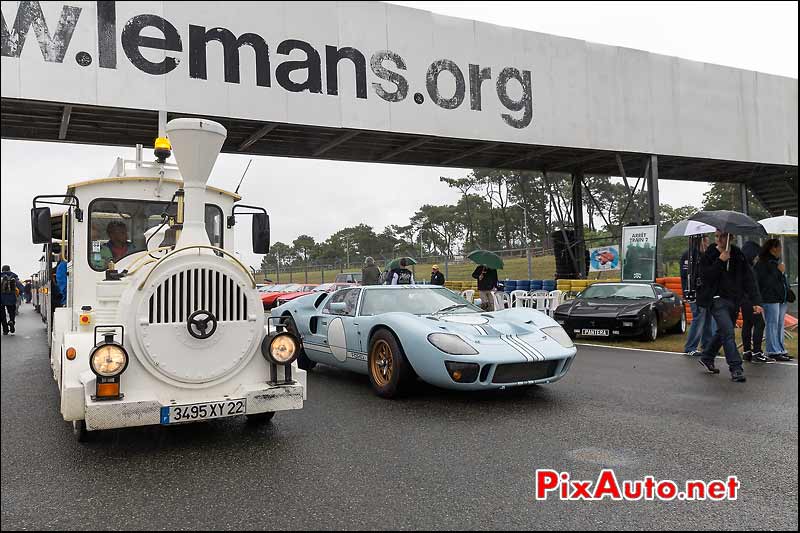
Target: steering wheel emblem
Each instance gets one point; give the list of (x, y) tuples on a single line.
[(201, 324)]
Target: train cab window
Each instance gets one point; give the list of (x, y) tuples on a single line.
[(119, 228)]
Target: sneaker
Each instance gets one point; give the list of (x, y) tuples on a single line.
[(5, 332), (737, 376), (693, 353), (780, 357), (11, 327), (747, 356), (760, 357), (709, 366)]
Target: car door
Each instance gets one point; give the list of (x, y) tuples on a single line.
[(331, 328), (667, 307)]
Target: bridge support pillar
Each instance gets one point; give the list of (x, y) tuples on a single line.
[(577, 217), (653, 209)]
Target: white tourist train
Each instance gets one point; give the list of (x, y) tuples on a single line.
[(161, 323)]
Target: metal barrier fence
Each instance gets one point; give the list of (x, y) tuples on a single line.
[(314, 272)]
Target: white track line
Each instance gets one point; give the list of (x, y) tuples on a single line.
[(662, 351)]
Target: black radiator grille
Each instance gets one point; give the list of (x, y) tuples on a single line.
[(197, 289), (514, 372)]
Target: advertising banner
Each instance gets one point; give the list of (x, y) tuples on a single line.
[(604, 258), (377, 66), (639, 253)]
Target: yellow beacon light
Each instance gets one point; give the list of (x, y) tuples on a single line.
[(162, 149)]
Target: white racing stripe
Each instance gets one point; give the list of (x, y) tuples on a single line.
[(525, 346), (527, 354)]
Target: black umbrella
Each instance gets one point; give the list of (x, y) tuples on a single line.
[(730, 222)]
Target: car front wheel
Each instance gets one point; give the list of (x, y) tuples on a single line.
[(389, 370), (651, 329)]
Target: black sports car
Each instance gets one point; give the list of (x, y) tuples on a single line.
[(623, 310)]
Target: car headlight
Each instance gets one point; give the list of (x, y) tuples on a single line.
[(108, 360), (558, 334), (281, 348), (452, 344)]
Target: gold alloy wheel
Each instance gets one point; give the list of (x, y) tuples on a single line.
[(381, 363)]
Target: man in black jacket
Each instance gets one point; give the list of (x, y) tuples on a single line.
[(487, 281), (727, 280), (437, 278)]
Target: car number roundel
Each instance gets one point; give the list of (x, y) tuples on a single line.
[(336, 339)]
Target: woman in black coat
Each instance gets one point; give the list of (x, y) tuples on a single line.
[(752, 324), (774, 288)]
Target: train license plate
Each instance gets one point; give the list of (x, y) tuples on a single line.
[(595, 332), (202, 411)]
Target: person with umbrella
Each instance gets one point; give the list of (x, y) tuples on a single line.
[(727, 280), (400, 275), (486, 274)]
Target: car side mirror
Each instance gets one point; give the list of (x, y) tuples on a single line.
[(669, 294), (260, 233), (41, 230), (338, 308)]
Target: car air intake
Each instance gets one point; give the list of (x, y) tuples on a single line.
[(515, 372), (197, 289)]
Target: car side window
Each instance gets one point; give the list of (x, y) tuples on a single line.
[(347, 296)]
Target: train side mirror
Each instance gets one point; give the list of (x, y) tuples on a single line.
[(41, 231), (260, 233)]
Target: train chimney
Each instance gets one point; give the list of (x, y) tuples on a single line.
[(196, 144)]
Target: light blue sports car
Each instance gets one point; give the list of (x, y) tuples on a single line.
[(392, 333)]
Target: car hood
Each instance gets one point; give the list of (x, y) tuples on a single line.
[(494, 324), (606, 308), (292, 295)]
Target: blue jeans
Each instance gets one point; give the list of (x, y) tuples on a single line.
[(724, 313), (773, 316), (702, 329)]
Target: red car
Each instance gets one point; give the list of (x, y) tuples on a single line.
[(325, 287), (269, 298)]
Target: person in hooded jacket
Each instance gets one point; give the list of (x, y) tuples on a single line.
[(752, 324), (370, 274), (727, 281)]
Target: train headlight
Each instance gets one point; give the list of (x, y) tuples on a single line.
[(108, 360), (280, 348)]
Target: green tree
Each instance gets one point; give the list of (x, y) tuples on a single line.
[(305, 248)]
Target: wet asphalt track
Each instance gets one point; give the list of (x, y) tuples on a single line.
[(435, 460)]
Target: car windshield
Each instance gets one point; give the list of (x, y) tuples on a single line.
[(325, 287), (421, 301), (291, 288), (120, 227), (628, 292), (276, 288)]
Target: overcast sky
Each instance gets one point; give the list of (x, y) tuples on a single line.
[(320, 197)]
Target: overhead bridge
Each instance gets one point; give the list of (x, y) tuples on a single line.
[(774, 185)]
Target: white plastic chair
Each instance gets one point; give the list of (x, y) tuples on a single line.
[(555, 298), (540, 300), (502, 300), (519, 298), (468, 295)]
